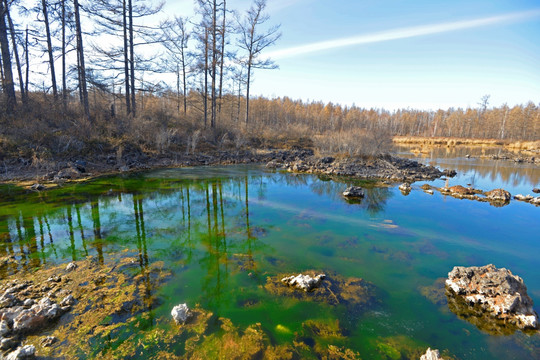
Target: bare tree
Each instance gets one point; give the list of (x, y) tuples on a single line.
[(253, 42), (49, 47), (175, 40), (15, 51), (7, 79), (80, 61)]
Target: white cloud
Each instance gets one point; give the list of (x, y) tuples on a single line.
[(402, 33)]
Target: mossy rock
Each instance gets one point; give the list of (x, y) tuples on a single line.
[(333, 290)]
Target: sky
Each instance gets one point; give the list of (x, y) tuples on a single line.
[(401, 54)]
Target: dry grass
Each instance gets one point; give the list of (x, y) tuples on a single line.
[(524, 145), (359, 142), (450, 142)]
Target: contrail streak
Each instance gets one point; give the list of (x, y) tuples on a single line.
[(402, 33)]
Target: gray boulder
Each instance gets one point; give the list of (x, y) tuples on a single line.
[(22, 352), (4, 327), (354, 192), (37, 316)]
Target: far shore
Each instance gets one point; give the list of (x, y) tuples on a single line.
[(530, 146)]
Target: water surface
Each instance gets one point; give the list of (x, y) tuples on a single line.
[(223, 230)]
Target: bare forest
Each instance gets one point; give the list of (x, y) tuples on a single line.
[(90, 77)]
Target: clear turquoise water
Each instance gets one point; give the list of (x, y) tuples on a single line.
[(223, 230)]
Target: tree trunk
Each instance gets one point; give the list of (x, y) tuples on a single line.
[(247, 91), (82, 68), (49, 48), (7, 83), (1, 73), (184, 79), (26, 58), (178, 88), (126, 58), (64, 75), (214, 64), (222, 55), (504, 124), (132, 58), (205, 77), (15, 53), (79, 75)]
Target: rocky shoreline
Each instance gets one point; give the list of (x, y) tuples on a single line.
[(496, 197), (386, 167), (38, 178)]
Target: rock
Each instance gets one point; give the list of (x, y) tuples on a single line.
[(67, 173), (48, 341), (496, 291), (4, 328), (54, 279), (28, 303), (431, 355), (22, 352), (535, 201), (498, 195), (71, 266), (80, 165), (123, 168), (303, 282), (526, 198), (37, 187), (460, 190), (68, 301), (181, 313), (354, 191), (8, 343), (536, 190), (37, 316), (7, 300), (405, 187), (327, 160)]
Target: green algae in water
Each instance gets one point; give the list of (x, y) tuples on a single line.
[(221, 233)]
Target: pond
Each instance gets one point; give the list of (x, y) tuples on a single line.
[(223, 233)]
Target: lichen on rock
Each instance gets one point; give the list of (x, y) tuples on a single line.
[(493, 299), (333, 289), (303, 282)]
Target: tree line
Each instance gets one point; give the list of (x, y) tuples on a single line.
[(105, 60)]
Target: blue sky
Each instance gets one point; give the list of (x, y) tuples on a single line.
[(469, 49)]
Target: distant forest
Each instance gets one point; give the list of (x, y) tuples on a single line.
[(122, 70)]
